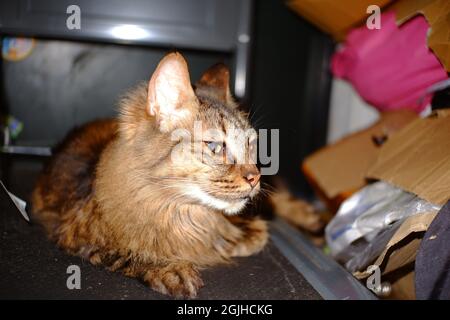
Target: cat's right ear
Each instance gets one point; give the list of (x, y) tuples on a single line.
[(171, 99), (215, 82)]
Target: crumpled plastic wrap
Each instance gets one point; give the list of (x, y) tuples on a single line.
[(373, 249), (362, 217)]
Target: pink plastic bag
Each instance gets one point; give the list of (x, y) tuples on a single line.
[(392, 67)]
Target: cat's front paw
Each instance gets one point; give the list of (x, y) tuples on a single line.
[(180, 280), (254, 239)]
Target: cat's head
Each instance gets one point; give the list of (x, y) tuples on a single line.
[(207, 145)]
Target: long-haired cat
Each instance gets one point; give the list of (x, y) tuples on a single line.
[(113, 192)]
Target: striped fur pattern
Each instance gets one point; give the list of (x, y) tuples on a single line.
[(112, 194)]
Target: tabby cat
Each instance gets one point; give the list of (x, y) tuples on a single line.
[(113, 194)]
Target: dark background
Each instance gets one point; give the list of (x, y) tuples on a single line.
[(291, 85)]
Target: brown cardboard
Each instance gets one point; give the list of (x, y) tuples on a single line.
[(335, 17), (417, 158), (339, 169), (437, 13), (401, 250), (403, 288)]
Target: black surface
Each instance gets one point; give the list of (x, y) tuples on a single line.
[(33, 268)]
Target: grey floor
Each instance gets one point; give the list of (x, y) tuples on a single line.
[(33, 268)]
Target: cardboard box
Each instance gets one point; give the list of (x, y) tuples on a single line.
[(338, 170), (335, 17), (417, 158), (437, 13)]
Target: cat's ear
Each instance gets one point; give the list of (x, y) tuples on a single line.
[(171, 98), (216, 83)]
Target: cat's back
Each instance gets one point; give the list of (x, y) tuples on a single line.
[(67, 179)]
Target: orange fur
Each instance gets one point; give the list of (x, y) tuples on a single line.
[(110, 194)]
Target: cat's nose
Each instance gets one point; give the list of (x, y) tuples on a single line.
[(253, 179), (252, 175)]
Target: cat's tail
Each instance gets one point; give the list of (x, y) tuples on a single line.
[(41, 213)]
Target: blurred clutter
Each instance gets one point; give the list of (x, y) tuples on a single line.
[(384, 222), (396, 57), (389, 184)]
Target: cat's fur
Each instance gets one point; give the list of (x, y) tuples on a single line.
[(111, 193)]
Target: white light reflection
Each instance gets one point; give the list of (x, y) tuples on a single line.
[(129, 32)]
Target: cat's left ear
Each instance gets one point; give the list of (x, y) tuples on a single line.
[(171, 98), (215, 82)]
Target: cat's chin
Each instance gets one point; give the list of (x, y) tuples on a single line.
[(227, 206)]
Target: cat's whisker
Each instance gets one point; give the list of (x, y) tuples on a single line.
[(267, 186), (254, 111)]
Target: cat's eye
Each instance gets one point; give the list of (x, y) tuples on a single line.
[(215, 147)]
